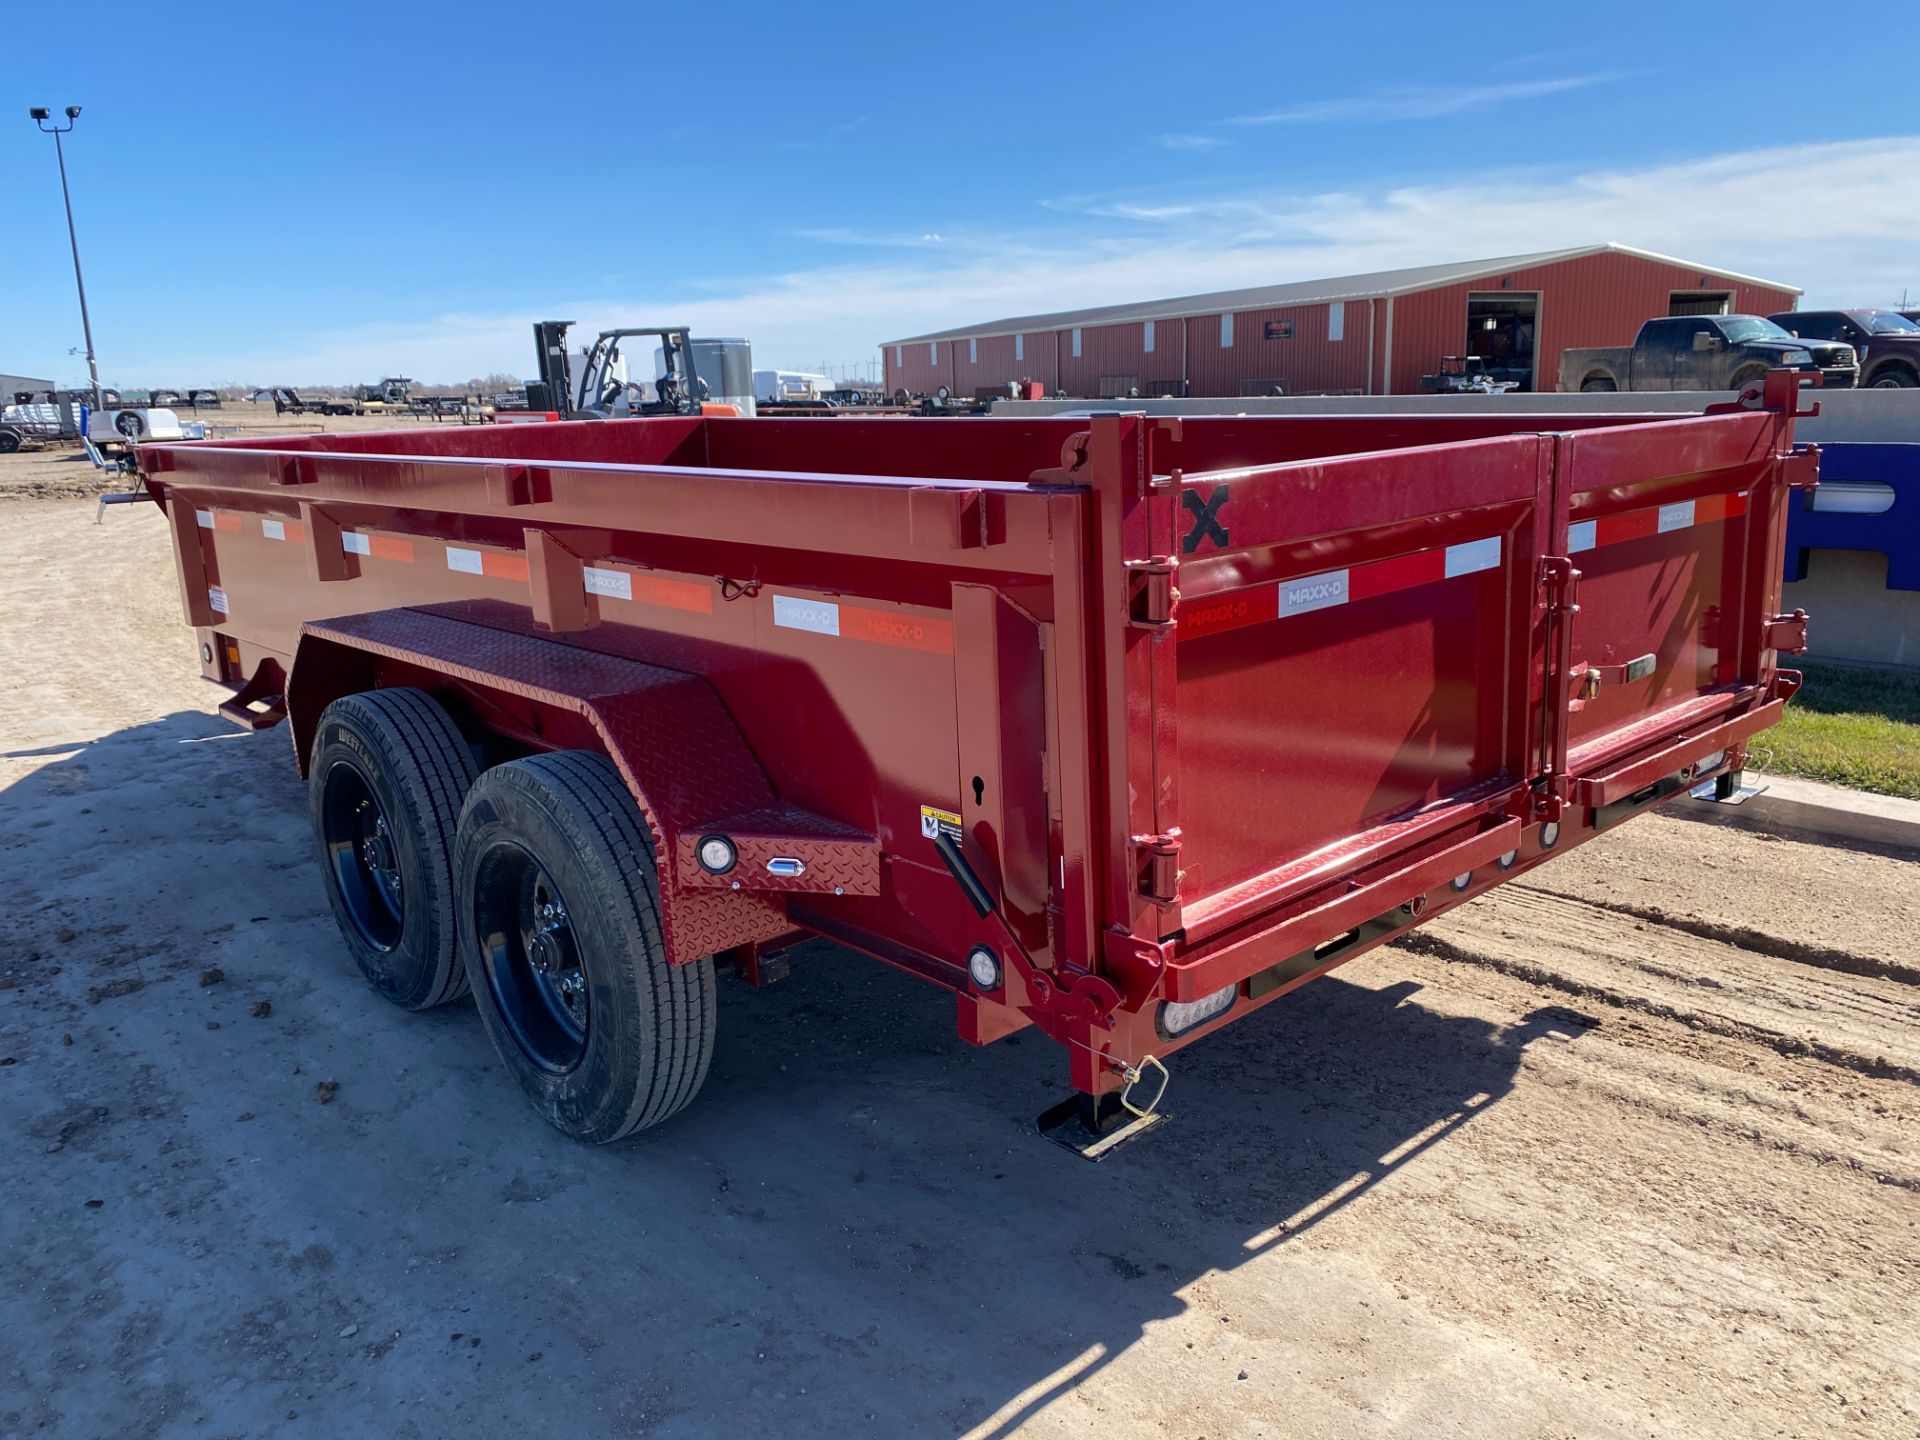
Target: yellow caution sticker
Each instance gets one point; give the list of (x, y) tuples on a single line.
[(934, 820)]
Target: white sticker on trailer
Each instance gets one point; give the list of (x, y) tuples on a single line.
[(1473, 556), (465, 561), (217, 598), (1313, 592), (1676, 517), (822, 617), (205, 518), (273, 529), (354, 543), (1582, 536), (615, 583)]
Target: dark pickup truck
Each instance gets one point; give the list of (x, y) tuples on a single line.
[(1887, 342), (1704, 352)]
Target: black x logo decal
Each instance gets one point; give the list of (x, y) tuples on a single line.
[(1206, 518)]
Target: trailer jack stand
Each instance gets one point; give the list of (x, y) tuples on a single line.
[(1094, 1126)]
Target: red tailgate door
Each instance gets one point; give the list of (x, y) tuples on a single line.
[(1674, 530)]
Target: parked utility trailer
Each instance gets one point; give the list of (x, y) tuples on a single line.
[(1118, 727)]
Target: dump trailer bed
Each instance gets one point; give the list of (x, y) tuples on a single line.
[(1118, 727)]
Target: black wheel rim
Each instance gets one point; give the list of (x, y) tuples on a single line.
[(363, 849), (535, 969)]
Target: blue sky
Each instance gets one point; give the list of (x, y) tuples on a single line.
[(282, 199)]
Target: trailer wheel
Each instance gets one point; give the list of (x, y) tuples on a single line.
[(389, 771), (561, 937), (130, 424), (1594, 387), (9, 441)]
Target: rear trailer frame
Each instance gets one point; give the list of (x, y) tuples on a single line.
[(1119, 727)]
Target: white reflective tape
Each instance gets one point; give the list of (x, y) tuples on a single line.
[(1676, 517), (1581, 536), (217, 598), (822, 617), (273, 529), (1474, 555), (466, 561), (1313, 592), (616, 583), (354, 543), (205, 517)]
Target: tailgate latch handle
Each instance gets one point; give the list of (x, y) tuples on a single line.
[(1589, 679)]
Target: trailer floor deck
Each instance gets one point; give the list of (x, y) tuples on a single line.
[(1631, 1149)]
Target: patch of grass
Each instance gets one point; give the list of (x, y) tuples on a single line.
[(1854, 727)]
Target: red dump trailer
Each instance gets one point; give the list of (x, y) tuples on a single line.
[(1115, 726)]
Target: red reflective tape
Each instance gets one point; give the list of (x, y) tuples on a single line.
[(503, 567), (674, 594), (890, 627), (1228, 612), (1403, 572), (227, 520), (1634, 525), (386, 547)]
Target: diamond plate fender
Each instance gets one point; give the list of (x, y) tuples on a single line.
[(679, 751)]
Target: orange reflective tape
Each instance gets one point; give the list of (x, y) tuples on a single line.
[(386, 547), (503, 567), (227, 520), (891, 627), (673, 594)]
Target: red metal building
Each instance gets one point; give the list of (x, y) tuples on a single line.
[(1371, 334)]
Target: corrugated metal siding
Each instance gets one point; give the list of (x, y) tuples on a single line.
[(1594, 300), (1306, 363), (994, 365), (918, 373)]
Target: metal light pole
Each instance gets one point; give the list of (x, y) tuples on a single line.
[(41, 116)]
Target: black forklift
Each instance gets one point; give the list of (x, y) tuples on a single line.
[(687, 373)]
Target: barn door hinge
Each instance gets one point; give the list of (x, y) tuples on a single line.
[(1800, 467), (1150, 593), (1786, 633), (1159, 866)]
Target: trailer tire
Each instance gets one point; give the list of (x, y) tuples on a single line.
[(560, 931), (1598, 386), (399, 752), (9, 441)]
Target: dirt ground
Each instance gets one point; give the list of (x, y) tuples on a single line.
[(1628, 1149), (57, 470)]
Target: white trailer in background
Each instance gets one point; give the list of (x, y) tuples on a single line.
[(776, 385)]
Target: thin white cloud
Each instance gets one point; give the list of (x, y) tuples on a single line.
[(1422, 102), (1767, 212), (1183, 141), (890, 240)]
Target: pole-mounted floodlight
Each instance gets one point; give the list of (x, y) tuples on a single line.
[(41, 116)]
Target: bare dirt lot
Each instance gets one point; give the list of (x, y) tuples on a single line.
[(62, 469), (1628, 1149)]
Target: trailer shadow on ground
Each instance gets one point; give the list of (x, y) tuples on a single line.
[(855, 1228)]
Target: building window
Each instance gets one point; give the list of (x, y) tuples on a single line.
[(1226, 332), (973, 351), (1149, 335), (1337, 320), (899, 355), (1019, 347), (1076, 342), (933, 352)]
